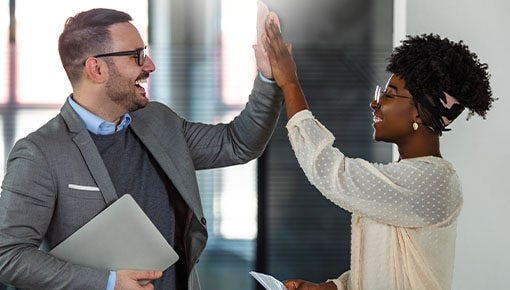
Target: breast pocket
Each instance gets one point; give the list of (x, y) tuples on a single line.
[(83, 191), (77, 205)]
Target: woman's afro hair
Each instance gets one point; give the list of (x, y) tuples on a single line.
[(431, 66)]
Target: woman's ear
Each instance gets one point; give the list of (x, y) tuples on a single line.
[(415, 115), (96, 70), (417, 119)]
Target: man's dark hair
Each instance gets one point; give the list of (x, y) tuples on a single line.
[(432, 66), (84, 35)]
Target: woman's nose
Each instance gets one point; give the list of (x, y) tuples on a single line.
[(374, 104)]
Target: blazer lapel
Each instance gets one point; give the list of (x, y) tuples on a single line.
[(96, 166), (180, 172), (90, 153)]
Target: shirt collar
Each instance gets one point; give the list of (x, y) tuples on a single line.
[(95, 124)]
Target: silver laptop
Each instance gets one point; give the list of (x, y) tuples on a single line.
[(120, 237)]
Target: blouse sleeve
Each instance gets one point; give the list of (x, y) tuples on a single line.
[(411, 193)]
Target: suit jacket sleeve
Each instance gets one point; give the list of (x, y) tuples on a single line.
[(241, 140), (27, 204)]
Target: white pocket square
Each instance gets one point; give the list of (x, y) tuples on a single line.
[(83, 187)]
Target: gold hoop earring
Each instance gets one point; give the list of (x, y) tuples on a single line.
[(415, 126)]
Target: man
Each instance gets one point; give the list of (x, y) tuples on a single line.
[(109, 140)]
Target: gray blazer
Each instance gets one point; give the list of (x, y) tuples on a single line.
[(38, 208)]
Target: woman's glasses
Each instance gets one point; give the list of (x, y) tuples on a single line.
[(379, 94)]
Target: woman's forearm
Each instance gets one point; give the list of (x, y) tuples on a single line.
[(294, 99)]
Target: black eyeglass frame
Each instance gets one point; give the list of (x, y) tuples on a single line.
[(378, 93), (140, 53)]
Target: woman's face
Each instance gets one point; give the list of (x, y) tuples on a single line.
[(394, 112)]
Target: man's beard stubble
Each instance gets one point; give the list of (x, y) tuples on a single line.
[(122, 92)]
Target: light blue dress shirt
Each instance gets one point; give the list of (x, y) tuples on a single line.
[(263, 78), (97, 125)]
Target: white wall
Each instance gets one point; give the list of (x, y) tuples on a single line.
[(479, 149)]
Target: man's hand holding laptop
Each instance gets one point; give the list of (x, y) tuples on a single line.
[(130, 279)]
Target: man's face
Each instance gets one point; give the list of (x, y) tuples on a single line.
[(126, 76)]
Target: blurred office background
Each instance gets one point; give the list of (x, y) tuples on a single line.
[(264, 215)]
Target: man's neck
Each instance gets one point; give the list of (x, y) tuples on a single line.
[(105, 111)]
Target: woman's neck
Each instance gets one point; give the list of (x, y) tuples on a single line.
[(425, 144)]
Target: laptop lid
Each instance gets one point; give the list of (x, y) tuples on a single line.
[(120, 237)]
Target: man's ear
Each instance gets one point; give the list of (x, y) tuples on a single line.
[(96, 70)]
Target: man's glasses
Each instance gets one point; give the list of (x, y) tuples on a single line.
[(379, 94), (140, 54)]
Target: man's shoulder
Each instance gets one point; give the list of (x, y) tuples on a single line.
[(154, 106), (55, 126), (155, 111), (55, 131)]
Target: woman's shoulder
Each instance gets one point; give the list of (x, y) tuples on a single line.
[(429, 162)]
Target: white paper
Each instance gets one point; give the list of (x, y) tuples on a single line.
[(268, 281)]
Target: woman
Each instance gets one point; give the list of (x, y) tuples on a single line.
[(405, 212)]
